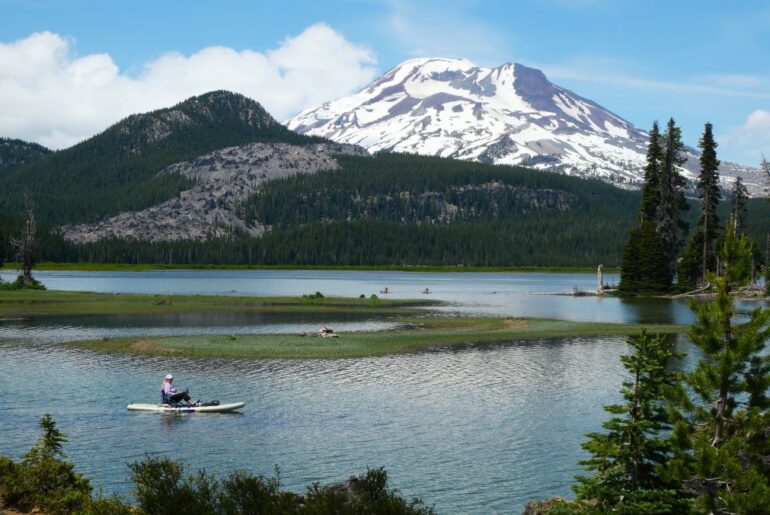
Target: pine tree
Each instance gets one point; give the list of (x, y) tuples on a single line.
[(672, 200), (627, 458), (50, 444), (689, 266), (643, 266), (718, 445), (651, 188), (710, 196), (738, 209)]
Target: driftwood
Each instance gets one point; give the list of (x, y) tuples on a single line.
[(324, 332), (697, 291)]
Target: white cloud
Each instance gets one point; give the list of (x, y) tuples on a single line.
[(51, 96), (751, 139)]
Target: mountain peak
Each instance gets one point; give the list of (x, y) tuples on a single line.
[(510, 114), (429, 64), (221, 103), (223, 109)]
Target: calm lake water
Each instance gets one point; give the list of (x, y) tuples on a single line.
[(479, 430)]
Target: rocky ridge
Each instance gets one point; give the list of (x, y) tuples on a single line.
[(223, 179)]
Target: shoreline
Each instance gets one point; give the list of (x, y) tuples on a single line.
[(115, 267)]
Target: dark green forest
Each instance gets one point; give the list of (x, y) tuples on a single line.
[(387, 209), (117, 170), (15, 153), (397, 209)]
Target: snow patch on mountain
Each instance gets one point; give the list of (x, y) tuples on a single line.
[(510, 114)]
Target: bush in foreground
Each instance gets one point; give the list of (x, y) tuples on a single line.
[(44, 481)]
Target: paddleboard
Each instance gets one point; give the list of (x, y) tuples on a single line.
[(166, 408)]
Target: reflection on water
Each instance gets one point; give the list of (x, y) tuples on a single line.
[(505, 294), (483, 429), (62, 328)]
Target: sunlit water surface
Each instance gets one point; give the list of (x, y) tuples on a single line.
[(478, 430)]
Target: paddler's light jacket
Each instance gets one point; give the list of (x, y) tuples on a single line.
[(167, 389)]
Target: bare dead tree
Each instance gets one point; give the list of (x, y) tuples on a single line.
[(26, 245)]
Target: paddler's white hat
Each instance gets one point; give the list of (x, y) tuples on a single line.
[(169, 376)]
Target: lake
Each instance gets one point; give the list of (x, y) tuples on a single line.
[(483, 429)]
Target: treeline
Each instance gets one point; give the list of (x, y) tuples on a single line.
[(396, 209), (558, 241), (43, 481)]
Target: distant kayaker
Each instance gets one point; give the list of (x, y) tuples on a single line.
[(169, 395)]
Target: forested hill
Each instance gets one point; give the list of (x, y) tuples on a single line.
[(399, 209), (116, 170), (405, 209), (15, 153)]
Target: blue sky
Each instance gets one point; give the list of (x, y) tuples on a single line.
[(697, 61)]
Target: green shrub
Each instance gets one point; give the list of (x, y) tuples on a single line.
[(22, 283), (367, 493), (163, 489), (314, 296), (244, 493), (112, 505), (41, 480), (46, 483)]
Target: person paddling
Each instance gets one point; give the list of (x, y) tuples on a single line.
[(169, 395)]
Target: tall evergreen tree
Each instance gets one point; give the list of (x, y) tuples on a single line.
[(710, 196), (651, 188), (738, 206), (643, 269), (689, 267), (627, 458), (672, 199), (698, 258), (643, 266)]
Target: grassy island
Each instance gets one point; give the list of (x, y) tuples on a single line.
[(19, 303), (414, 334), (416, 329)]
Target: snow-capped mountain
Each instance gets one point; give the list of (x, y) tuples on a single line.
[(510, 114)]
